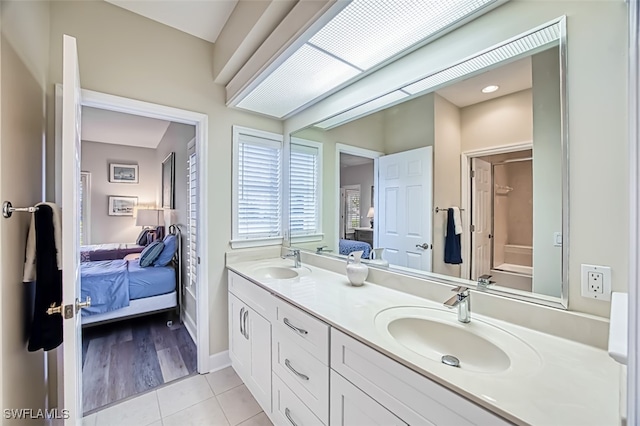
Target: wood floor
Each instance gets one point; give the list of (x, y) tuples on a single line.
[(128, 357)]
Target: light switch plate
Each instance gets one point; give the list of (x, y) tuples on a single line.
[(601, 276)]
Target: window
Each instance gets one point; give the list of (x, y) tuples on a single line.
[(85, 207), (257, 188), (192, 220), (352, 207), (305, 189)]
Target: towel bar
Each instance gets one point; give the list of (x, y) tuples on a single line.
[(438, 210), (8, 209)]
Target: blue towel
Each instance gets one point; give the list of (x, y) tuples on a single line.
[(452, 247)]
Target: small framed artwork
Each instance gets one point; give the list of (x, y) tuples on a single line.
[(122, 206), (123, 173), (168, 168)]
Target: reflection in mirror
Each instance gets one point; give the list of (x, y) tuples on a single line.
[(463, 182)]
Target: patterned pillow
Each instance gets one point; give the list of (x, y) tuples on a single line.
[(151, 253), (170, 247), (142, 238)]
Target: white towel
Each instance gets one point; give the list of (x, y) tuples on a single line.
[(30, 257), (457, 220)]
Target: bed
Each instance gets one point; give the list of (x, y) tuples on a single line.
[(111, 251), (348, 246), (121, 288)]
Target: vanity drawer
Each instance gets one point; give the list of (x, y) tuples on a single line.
[(304, 374), (412, 397), (257, 298), (303, 329), (288, 409)]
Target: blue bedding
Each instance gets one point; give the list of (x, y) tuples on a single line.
[(150, 281), (112, 284), (107, 283), (348, 246)]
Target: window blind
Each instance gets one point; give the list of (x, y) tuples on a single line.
[(304, 189), (258, 188), (352, 198), (192, 257)]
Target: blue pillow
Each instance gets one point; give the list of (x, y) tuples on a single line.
[(170, 247), (151, 253)]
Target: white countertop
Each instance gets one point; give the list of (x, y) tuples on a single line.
[(569, 384)]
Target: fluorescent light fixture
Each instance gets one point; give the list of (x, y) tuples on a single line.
[(361, 36), (511, 50), (490, 89), (362, 110), (378, 30), (299, 80), (528, 43)]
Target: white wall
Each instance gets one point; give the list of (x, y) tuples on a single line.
[(547, 172), (446, 178), (124, 54), (96, 158), (24, 63)]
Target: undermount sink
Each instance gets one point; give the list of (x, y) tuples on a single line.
[(280, 272), (478, 346)]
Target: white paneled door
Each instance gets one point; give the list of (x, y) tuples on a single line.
[(69, 367), (405, 210), (481, 207)]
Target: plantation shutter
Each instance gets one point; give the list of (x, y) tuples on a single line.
[(352, 198), (259, 188), (192, 257), (304, 199)]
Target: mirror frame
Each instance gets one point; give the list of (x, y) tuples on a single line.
[(555, 302)]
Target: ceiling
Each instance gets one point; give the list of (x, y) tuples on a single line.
[(201, 18), (117, 128), (348, 160), (511, 78)]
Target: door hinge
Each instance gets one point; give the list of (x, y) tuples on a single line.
[(473, 174), (473, 228), (198, 260)]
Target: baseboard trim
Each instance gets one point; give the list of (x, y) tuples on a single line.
[(219, 361), (190, 325)]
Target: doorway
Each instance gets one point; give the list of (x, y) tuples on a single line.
[(178, 337), (355, 216), (499, 187)]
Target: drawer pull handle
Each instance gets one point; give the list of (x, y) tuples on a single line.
[(241, 321), (293, 327), (246, 329), (287, 413), (297, 373)]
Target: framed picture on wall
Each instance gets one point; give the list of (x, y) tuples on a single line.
[(168, 170), (123, 173), (122, 206)]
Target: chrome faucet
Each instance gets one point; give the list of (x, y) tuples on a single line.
[(320, 250), (295, 254), (484, 282), (462, 300)]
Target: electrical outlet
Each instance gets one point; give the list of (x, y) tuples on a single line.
[(596, 282)]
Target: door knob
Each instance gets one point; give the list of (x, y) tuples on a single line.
[(423, 246), (53, 309), (85, 304)]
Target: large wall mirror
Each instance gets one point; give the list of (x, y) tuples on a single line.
[(459, 176)]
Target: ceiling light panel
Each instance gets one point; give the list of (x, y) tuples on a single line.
[(367, 32), (364, 109), (304, 76), (502, 53)]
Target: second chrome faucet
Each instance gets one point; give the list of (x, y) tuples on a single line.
[(461, 300)]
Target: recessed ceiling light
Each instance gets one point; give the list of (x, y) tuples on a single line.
[(490, 89)]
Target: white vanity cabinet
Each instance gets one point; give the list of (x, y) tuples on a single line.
[(410, 396), (250, 337)]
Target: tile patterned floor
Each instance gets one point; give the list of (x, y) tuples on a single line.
[(214, 399)]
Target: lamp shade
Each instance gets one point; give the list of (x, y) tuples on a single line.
[(370, 213), (150, 217)]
